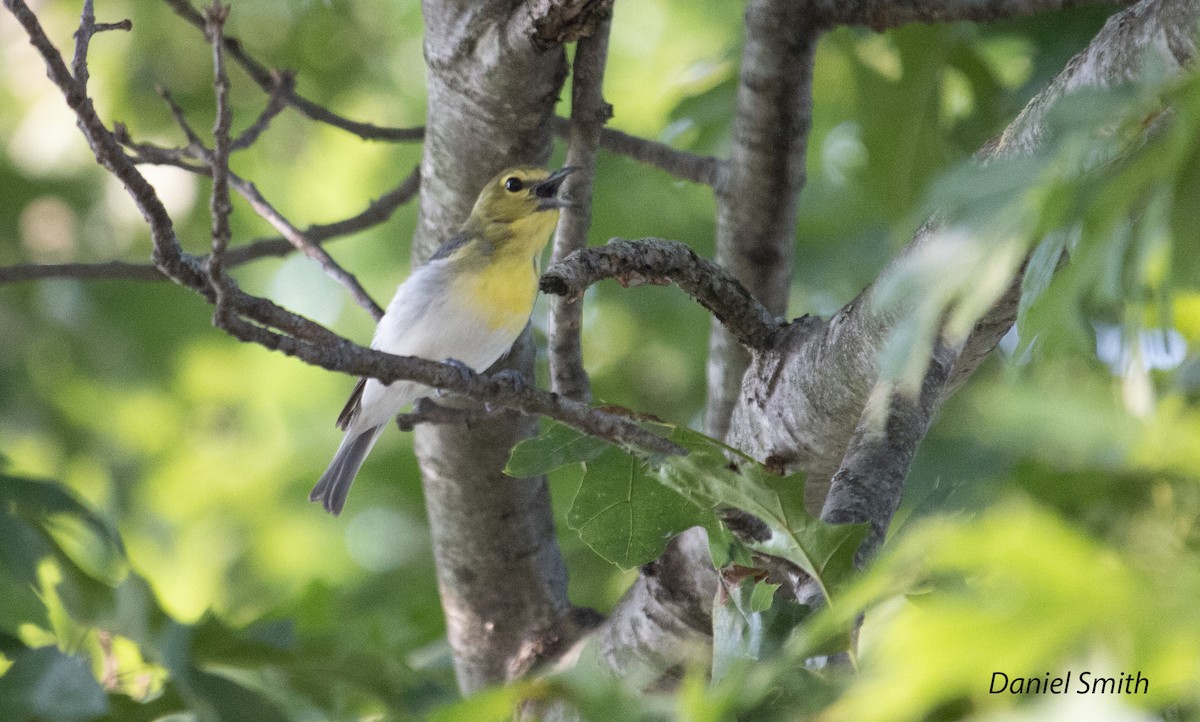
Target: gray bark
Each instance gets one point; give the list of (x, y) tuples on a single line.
[(500, 574), (803, 404), (758, 189)]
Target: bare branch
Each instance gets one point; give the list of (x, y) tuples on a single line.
[(756, 201), (284, 82), (180, 158), (123, 270), (266, 80), (502, 390), (701, 169), (377, 212), (83, 38), (589, 113), (654, 260), (305, 245), (219, 205), (883, 14), (168, 255), (195, 145)]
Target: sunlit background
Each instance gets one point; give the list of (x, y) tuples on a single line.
[(201, 450)]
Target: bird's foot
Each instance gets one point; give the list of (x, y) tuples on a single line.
[(514, 380), (465, 372)]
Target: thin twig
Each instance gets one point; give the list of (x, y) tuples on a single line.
[(23, 272), (702, 169), (264, 77), (883, 14), (248, 191), (305, 245), (195, 144), (284, 81), (83, 38), (219, 205), (589, 113), (377, 212), (654, 260)]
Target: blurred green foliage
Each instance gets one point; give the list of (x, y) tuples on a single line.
[(158, 554)]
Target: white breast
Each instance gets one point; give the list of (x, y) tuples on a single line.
[(424, 319)]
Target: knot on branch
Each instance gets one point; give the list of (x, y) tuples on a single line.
[(555, 22), (658, 261)]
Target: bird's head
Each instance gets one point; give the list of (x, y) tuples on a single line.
[(518, 193)]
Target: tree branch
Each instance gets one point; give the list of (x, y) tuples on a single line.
[(883, 14), (266, 80), (305, 245), (284, 81), (491, 92), (868, 485), (116, 270), (184, 157), (802, 402), (655, 260), (701, 169), (83, 38), (377, 212), (589, 113), (756, 200), (219, 205)]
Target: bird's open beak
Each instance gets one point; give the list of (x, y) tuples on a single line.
[(547, 190)]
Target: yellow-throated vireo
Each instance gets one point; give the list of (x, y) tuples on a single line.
[(468, 303)]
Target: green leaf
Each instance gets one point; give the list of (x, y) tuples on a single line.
[(557, 447), (43, 500), (706, 477), (45, 683), (748, 626), (725, 549), (763, 596), (498, 704), (624, 514), (232, 702), (42, 521), (213, 642)]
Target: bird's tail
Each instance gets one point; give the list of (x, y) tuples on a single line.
[(334, 484)]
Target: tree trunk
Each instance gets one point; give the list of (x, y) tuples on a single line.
[(500, 573)]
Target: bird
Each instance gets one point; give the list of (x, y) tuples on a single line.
[(466, 305)]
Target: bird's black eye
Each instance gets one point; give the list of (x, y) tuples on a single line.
[(512, 184)]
